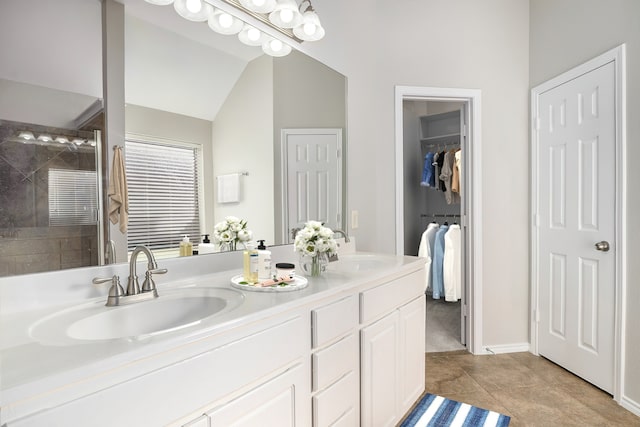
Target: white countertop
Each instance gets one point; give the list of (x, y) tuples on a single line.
[(30, 368)]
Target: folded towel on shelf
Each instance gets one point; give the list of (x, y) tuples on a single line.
[(228, 189), (118, 193)]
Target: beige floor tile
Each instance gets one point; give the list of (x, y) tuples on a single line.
[(443, 377)]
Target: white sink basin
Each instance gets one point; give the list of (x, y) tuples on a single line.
[(361, 262), (172, 310)]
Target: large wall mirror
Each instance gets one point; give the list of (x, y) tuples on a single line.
[(184, 86)]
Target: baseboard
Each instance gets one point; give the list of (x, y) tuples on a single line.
[(630, 405), (505, 348)]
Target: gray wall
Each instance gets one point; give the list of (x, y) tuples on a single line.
[(460, 44), (565, 34), (307, 94)]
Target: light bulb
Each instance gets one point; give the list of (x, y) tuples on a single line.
[(276, 45), (194, 6), (286, 15), (253, 34), (225, 20), (310, 28)]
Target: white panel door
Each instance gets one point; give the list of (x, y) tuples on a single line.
[(313, 182), (576, 185)]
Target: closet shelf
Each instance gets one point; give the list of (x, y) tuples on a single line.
[(441, 137)]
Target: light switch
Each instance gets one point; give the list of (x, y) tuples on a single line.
[(354, 220)]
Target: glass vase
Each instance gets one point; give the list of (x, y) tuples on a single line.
[(314, 266)]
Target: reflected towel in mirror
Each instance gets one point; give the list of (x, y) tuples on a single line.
[(228, 188), (118, 193)]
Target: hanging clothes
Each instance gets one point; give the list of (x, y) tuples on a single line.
[(455, 178), (437, 279), (425, 250), (435, 171), (427, 170), (439, 181), (446, 174), (458, 164), (452, 264)]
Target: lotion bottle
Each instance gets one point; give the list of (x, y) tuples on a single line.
[(264, 261), (250, 264), (186, 247), (206, 247)]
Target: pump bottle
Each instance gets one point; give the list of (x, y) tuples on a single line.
[(264, 261)]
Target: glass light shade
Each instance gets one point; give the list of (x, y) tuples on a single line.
[(193, 10), (259, 6), (44, 138), (62, 140), (26, 135), (251, 36), (275, 47), (159, 2), (286, 14), (310, 28), (223, 23)]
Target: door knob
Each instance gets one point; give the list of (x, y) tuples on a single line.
[(602, 246)]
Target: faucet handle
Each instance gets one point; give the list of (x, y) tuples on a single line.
[(149, 285), (115, 291)]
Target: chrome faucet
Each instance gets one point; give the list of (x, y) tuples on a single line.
[(346, 238), (118, 296)]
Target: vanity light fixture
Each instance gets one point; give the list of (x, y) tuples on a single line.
[(298, 22), (275, 47), (193, 10), (26, 135), (223, 23)]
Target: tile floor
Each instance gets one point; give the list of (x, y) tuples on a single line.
[(530, 389)]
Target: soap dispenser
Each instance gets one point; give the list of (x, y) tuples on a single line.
[(250, 264), (206, 247), (264, 261), (186, 247)]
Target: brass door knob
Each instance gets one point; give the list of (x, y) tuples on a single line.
[(602, 246)]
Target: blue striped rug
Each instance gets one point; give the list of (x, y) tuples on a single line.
[(438, 411)]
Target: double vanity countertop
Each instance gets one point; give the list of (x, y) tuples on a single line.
[(33, 365)]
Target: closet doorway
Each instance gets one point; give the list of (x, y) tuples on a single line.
[(437, 132)]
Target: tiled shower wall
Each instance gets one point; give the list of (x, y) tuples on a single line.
[(27, 243)]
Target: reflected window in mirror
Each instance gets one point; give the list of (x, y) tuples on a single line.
[(163, 179)]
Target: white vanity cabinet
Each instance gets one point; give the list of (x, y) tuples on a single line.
[(392, 349), (349, 354), (335, 363)]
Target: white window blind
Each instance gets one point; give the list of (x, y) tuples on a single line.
[(162, 181), (72, 197)]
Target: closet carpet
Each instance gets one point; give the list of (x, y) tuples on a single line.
[(530, 389), (443, 326)]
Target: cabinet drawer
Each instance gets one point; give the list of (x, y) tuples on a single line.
[(336, 401), (334, 361), (333, 320), (389, 296)]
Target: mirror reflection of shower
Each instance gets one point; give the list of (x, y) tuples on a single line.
[(49, 198)]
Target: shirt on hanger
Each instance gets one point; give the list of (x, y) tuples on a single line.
[(452, 264), (427, 170), (425, 250), (437, 280)]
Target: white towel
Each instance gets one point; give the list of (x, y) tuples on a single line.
[(228, 188), (118, 193)]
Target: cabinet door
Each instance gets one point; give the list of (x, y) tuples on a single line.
[(379, 372), (412, 345), (270, 404)]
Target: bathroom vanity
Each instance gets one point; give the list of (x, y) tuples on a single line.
[(347, 350)]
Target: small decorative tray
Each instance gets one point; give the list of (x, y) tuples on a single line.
[(298, 283)]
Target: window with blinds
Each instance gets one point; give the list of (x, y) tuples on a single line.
[(72, 197), (162, 180)]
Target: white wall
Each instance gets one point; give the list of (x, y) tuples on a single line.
[(243, 142), (464, 44), (152, 123), (565, 33)]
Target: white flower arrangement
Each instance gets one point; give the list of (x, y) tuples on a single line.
[(314, 239), (230, 232)]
